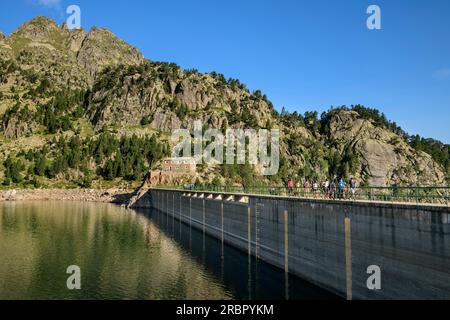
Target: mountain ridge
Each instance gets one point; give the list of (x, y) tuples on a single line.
[(55, 82)]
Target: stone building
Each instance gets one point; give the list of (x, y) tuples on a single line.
[(178, 165), (173, 171)]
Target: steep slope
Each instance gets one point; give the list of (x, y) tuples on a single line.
[(381, 156), (168, 98), (101, 48), (41, 59), (91, 86)]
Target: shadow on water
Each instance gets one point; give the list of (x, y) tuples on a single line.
[(247, 278)]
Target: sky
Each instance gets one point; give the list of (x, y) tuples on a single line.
[(303, 54)]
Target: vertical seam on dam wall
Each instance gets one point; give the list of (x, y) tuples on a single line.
[(221, 216), (348, 258), (249, 230), (286, 242)]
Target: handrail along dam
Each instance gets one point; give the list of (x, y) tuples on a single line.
[(327, 242)]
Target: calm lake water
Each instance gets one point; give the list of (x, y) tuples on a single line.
[(125, 254)]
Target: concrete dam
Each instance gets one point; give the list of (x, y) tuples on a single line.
[(357, 250)]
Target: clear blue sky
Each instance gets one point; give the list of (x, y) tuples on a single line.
[(305, 55)]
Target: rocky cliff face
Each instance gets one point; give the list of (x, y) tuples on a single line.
[(41, 58), (171, 98), (43, 43), (100, 48), (384, 157), (41, 46), (123, 90)]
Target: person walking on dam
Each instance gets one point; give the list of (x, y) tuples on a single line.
[(290, 185), (332, 193), (306, 187), (341, 186), (326, 188), (352, 187), (315, 189), (298, 188)]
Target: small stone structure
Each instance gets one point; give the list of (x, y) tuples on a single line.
[(173, 170), (184, 166)]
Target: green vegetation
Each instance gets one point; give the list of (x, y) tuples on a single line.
[(85, 160), (178, 108), (345, 164), (438, 150), (244, 116), (135, 93), (17, 113), (378, 118), (13, 168), (56, 115), (241, 174)]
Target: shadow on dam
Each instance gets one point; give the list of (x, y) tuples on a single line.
[(246, 277), (356, 250)]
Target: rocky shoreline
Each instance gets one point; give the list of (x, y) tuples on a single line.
[(119, 196)]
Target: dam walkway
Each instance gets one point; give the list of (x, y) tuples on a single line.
[(354, 248)]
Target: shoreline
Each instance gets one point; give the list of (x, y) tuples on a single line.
[(115, 195)]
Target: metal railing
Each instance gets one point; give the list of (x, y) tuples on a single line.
[(419, 195)]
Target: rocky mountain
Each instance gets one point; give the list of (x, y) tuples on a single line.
[(384, 156), (55, 82)]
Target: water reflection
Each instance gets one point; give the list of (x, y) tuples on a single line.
[(126, 255), (245, 277), (122, 255)]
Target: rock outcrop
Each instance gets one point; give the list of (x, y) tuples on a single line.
[(101, 48), (118, 88), (41, 49), (171, 98), (384, 157)]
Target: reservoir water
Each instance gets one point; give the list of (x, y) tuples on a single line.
[(126, 254)]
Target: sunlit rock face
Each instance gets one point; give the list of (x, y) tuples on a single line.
[(124, 90)]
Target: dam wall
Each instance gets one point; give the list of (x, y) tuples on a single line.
[(402, 250)]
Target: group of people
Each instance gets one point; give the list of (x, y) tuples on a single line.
[(332, 189)]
